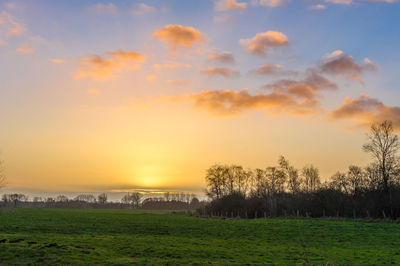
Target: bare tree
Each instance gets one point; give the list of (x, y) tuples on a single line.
[(136, 197), (62, 198), (133, 199), (2, 175), (167, 196), (339, 182), (292, 175), (188, 198), (216, 181), (356, 179), (37, 199), (182, 197), (372, 176), (312, 181), (15, 198), (126, 199), (383, 145), (275, 179), (86, 198), (102, 198)]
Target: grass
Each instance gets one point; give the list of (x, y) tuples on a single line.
[(57, 236)]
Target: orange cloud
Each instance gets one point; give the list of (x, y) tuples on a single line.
[(339, 64), (179, 82), (267, 69), (334, 54), (9, 25), (25, 48), (98, 68), (366, 110), (222, 5), (222, 58), (94, 91), (286, 97), (57, 61), (307, 90), (172, 65), (220, 71), (309, 87), (262, 42), (128, 55), (233, 103), (179, 36), (151, 78)]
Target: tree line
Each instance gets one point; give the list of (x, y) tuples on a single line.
[(283, 190), (135, 200)]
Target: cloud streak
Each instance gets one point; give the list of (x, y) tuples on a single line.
[(98, 68), (271, 70), (101, 8), (9, 26), (25, 48), (271, 3), (143, 9), (172, 65), (234, 103), (222, 5), (220, 71), (222, 58)]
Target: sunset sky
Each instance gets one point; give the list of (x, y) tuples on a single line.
[(125, 95)]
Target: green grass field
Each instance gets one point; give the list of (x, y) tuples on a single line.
[(56, 236)]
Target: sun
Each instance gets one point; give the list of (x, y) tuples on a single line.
[(149, 176)]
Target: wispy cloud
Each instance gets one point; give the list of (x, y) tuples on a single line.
[(101, 8), (172, 65), (222, 58), (222, 5), (317, 7), (268, 70), (220, 71), (57, 61), (341, 2), (179, 82), (271, 3), (25, 48), (94, 91), (350, 2), (9, 26), (99, 68), (151, 78), (143, 9)]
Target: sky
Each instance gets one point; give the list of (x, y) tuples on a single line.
[(117, 96)]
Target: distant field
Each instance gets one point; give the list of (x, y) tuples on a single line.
[(57, 236)]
